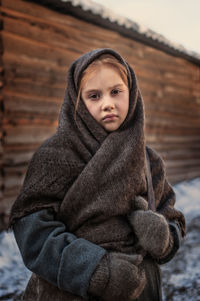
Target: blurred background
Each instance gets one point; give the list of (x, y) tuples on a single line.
[(177, 20), (161, 40)]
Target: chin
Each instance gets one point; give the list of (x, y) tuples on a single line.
[(111, 128)]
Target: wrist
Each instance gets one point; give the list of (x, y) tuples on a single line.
[(100, 277), (174, 244), (167, 251)]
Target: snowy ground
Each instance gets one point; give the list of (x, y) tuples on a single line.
[(181, 277), (13, 275)]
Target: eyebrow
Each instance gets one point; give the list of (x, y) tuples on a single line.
[(115, 86), (95, 90), (90, 91)]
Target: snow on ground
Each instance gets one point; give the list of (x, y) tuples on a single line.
[(13, 274), (188, 198), (181, 276)]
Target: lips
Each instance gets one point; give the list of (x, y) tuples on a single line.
[(109, 117)]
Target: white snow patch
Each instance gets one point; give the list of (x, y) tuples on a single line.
[(13, 274), (188, 198)]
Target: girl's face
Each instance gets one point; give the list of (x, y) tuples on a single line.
[(106, 97)]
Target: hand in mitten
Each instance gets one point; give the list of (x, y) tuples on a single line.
[(152, 231), (126, 279), (139, 203)]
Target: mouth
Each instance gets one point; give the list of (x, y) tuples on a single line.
[(109, 117)]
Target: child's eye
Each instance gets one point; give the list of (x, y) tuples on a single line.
[(115, 92), (94, 96)]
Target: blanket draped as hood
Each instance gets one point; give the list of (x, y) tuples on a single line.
[(91, 177)]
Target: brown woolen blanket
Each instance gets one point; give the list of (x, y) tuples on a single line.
[(91, 177)]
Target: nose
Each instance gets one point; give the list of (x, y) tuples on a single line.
[(108, 104)]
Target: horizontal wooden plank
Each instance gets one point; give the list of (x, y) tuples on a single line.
[(18, 158), (1, 179), (1, 196), (151, 90), (175, 105), (1, 146), (173, 144), (171, 138), (13, 182), (22, 147), (157, 81), (177, 75), (16, 119), (21, 102), (7, 202), (171, 119), (40, 51), (14, 170), (183, 176), (34, 88), (179, 155), (29, 8), (30, 69), (163, 62), (174, 179), (183, 172), (13, 179), (184, 163), (176, 169), (30, 134), (167, 130)]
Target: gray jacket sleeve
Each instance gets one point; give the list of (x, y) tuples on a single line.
[(56, 255)]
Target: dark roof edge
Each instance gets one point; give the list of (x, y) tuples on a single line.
[(89, 16)]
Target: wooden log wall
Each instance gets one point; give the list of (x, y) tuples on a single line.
[(38, 46)]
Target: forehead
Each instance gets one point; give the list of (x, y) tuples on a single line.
[(102, 75)]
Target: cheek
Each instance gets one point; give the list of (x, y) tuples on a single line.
[(93, 110), (125, 105)]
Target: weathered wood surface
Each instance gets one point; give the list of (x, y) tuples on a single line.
[(38, 45), (1, 115)]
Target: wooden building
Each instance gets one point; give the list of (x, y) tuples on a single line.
[(40, 39)]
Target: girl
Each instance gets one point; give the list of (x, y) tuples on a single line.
[(81, 220)]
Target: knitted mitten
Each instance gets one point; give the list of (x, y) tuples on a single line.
[(152, 231), (139, 203), (126, 280)]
